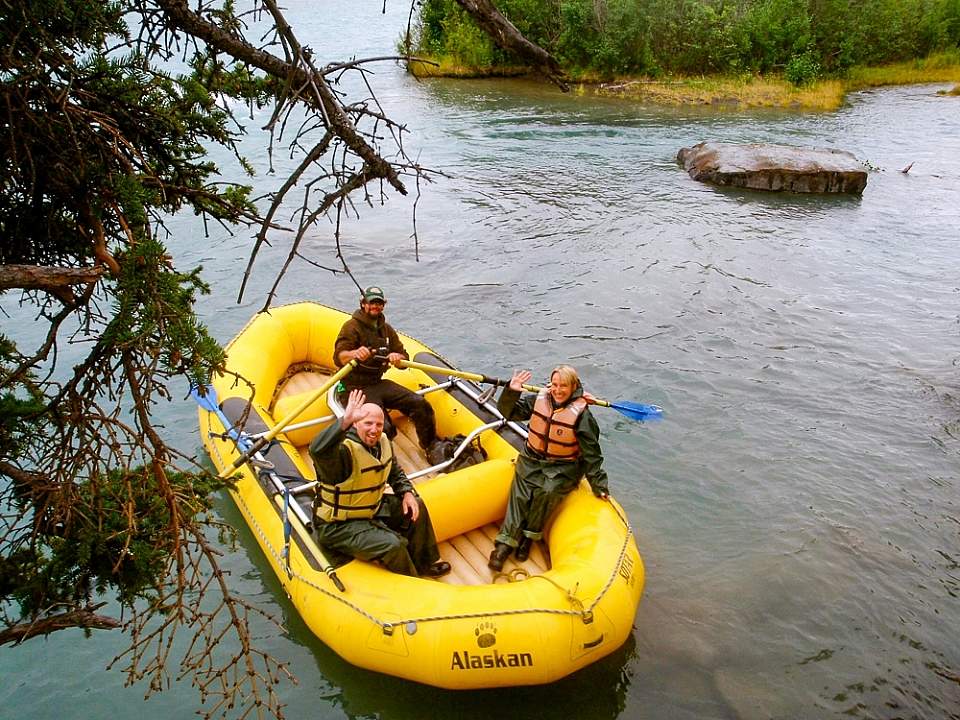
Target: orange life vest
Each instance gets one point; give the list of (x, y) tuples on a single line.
[(551, 432)]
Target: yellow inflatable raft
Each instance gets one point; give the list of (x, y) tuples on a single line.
[(570, 604)]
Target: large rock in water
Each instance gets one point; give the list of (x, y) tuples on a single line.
[(774, 167)]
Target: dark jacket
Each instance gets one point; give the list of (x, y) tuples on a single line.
[(362, 331), (515, 406)]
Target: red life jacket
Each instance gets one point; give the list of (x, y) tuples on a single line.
[(551, 432)]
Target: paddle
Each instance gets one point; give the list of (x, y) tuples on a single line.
[(635, 411), (312, 546), (290, 417), (208, 401), (206, 398)]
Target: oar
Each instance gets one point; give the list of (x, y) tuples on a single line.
[(632, 410), (208, 401), (206, 397), (312, 546)]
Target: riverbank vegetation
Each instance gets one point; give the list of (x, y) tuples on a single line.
[(792, 53), (776, 91)]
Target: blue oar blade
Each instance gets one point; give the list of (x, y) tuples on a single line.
[(206, 397), (638, 411)]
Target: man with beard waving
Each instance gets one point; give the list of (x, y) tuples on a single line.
[(360, 337)]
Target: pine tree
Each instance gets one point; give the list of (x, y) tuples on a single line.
[(102, 141)]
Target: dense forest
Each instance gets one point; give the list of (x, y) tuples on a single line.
[(802, 39)]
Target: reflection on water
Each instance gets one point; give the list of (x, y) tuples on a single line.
[(797, 509)]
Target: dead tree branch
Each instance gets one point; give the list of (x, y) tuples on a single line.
[(505, 34)]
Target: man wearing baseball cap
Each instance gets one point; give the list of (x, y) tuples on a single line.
[(366, 332)]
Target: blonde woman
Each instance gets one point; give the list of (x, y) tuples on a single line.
[(562, 446)]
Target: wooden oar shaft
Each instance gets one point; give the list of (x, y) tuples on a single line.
[(450, 371), (290, 417), (312, 546), (474, 376)]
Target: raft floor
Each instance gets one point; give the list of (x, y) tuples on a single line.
[(467, 553)]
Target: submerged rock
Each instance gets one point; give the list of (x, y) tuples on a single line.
[(760, 166)]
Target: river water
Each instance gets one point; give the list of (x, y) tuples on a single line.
[(797, 510)]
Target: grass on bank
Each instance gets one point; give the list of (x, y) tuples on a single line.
[(721, 92), (942, 67), (450, 68), (748, 91)]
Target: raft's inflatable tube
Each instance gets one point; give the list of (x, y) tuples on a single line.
[(530, 631)]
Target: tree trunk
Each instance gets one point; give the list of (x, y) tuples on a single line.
[(506, 36)]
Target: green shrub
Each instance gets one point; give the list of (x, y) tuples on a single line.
[(774, 31), (802, 70), (445, 30), (803, 38)]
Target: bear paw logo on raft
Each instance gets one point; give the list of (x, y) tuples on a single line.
[(486, 633)]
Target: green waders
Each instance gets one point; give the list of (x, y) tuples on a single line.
[(404, 547)]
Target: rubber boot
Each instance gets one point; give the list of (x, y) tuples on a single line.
[(501, 551), (523, 550)]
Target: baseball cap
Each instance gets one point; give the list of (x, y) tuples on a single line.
[(373, 293)]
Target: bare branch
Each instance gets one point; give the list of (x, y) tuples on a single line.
[(355, 64), (505, 34), (85, 618), (298, 75)]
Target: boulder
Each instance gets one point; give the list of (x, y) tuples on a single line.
[(761, 166)]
